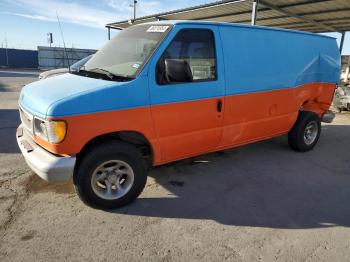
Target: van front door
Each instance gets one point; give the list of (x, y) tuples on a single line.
[(187, 89)]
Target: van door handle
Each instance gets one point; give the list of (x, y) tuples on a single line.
[(219, 105)]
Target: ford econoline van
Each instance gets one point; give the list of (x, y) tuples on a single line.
[(169, 90)]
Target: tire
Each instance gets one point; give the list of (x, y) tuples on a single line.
[(300, 138), (110, 176)]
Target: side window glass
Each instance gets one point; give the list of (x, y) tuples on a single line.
[(190, 57)]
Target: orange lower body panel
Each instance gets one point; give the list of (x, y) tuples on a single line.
[(180, 130), (261, 115), (84, 128)]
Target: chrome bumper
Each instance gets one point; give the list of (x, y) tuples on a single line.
[(46, 165), (328, 117)]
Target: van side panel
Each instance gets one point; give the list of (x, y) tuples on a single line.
[(270, 76), (262, 59), (243, 124)]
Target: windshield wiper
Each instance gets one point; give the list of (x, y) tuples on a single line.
[(102, 72), (110, 74)]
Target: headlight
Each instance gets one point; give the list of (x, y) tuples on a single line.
[(51, 131)]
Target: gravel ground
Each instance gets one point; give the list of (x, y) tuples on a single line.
[(261, 202)]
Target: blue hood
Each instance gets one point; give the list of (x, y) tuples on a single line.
[(69, 94)]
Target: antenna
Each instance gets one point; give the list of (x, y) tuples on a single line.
[(64, 43)]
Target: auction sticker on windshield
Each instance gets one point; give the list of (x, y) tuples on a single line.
[(157, 28)]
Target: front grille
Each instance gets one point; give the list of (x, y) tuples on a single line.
[(27, 120)]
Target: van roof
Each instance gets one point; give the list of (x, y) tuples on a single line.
[(174, 22)]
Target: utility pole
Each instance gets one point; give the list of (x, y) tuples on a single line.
[(254, 11), (134, 9), (49, 38), (342, 42)]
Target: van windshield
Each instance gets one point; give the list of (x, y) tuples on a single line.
[(127, 52)]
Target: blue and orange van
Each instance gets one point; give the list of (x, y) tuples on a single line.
[(169, 90)]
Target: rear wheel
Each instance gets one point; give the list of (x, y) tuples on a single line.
[(111, 175), (305, 132)]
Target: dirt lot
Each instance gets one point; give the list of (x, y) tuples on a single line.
[(261, 202)]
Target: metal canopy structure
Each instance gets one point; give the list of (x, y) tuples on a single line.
[(307, 15), (316, 16)]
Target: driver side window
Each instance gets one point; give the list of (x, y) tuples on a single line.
[(190, 57)]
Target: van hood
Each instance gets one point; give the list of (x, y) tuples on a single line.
[(43, 98)]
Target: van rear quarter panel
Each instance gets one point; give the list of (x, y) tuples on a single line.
[(271, 75)]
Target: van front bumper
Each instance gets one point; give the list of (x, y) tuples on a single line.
[(49, 167)]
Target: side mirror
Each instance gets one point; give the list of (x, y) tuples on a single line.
[(178, 70)]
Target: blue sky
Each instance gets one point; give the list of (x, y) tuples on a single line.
[(25, 23)]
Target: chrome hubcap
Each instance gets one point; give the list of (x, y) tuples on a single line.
[(112, 179), (310, 132)]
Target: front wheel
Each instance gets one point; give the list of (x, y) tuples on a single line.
[(305, 132), (111, 175)]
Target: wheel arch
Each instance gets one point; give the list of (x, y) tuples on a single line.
[(130, 136)]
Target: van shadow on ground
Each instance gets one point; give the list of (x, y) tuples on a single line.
[(9, 121), (260, 185)]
